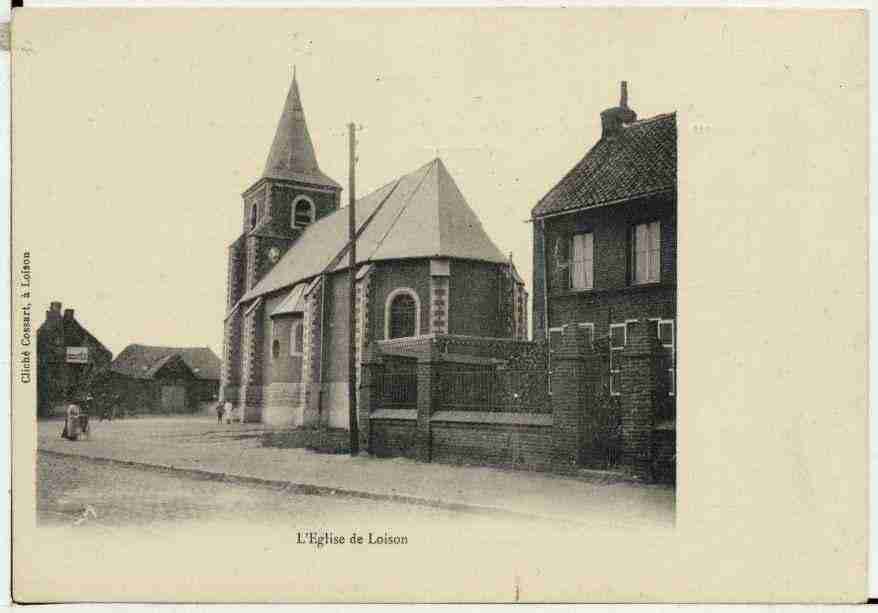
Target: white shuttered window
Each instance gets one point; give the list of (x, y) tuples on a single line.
[(582, 261), (646, 252)]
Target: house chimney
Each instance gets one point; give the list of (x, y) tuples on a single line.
[(612, 120), (54, 312), (68, 314)]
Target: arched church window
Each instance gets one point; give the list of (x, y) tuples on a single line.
[(253, 215), (297, 340), (303, 212), (402, 314)]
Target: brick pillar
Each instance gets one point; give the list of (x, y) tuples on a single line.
[(638, 386), (230, 373), (311, 360), (593, 366), (251, 378), (428, 398), (569, 388), (372, 369)]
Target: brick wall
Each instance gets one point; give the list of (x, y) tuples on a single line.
[(230, 374), (236, 272), (664, 455), (508, 445), (388, 276), (393, 438), (475, 307), (639, 383), (613, 297), (283, 195), (254, 196)]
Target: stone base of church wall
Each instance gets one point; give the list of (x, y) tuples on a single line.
[(310, 404), (334, 405), (283, 405), (251, 398)]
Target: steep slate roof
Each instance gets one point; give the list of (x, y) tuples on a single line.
[(72, 329), (292, 153), (642, 160), (421, 214), (144, 361)]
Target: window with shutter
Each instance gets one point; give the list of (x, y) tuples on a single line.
[(582, 261), (646, 252)]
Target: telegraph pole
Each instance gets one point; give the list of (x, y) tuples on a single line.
[(352, 306)]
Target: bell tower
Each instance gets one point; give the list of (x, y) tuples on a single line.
[(277, 209), (291, 194)]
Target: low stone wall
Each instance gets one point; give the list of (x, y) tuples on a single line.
[(522, 425), (519, 446), (393, 438)]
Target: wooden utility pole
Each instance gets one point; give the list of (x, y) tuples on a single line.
[(352, 306)]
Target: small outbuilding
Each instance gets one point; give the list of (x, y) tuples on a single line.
[(148, 379), (67, 356)]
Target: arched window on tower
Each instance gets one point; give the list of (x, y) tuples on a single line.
[(303, 212), (254, 212), (402, 314)]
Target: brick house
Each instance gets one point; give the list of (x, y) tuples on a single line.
[(425, 267), (67, 354), (163, 379), (605, 250)]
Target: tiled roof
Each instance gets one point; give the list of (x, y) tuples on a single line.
[(143, 361), (421, 214), (641, 160)]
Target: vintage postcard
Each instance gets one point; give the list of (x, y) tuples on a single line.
[(439, 305)]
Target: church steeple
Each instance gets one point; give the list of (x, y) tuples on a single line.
[(292, 154)]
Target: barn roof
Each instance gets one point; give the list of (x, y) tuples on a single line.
[(421, 214), (639, 161), (143, 361)]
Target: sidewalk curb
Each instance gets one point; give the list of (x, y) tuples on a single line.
[(312, 489)]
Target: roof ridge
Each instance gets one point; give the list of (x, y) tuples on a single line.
[(650, 119)]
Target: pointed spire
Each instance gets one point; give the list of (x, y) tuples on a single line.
[(292, 153)]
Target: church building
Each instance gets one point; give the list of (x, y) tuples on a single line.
[(425, 267)]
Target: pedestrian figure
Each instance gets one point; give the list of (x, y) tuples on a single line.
[(219, 413), (83, 416), (228, 411), (71, 423)]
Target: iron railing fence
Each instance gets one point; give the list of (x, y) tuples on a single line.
[(398, 390), (498, 390)]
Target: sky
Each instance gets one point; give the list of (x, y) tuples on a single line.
[(138, 131)]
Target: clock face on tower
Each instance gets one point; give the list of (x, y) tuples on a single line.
[(273, 254)]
